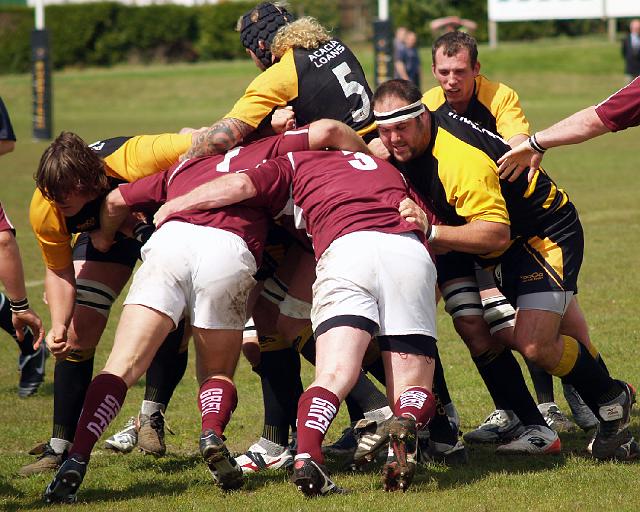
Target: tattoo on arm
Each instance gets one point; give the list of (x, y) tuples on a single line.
[(220, 138)]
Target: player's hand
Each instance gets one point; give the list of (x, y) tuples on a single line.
[(411, 212), (29, 319), (100, 240), (377, 149), (514, 162), (283, 119), (57, 342), (163, 212)]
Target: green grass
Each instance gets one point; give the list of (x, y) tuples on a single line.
[(553, 78)]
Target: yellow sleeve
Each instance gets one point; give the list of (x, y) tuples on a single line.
[(504, 104), (470, 180), (51, 232), (274, 87), (143, 155), (433, 98)]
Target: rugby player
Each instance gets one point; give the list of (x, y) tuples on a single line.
[(81, 283), (495, 107), (529, 234)]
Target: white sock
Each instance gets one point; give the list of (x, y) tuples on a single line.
[(59, 445), (148, 407)]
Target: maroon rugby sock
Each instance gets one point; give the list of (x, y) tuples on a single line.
[(418, 403), (102, 403), (317, 408), (217, 400)]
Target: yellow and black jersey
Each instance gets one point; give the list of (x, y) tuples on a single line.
[(125, 159), (493, 106), (457, 177), (327, 82)]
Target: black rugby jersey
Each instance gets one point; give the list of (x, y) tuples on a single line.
[(327, 82), (458, 179)]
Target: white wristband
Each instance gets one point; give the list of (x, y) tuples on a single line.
[(433, 233)]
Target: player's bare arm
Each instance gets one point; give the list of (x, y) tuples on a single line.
[(12, 277), (577, 128), (60, 287), (219, 138), (328, 133), (477, 237), (113, 213), (223, 191)]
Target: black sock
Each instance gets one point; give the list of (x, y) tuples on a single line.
[(26, 346), (70, 383), (592, 382), (439, 382), (542, 383), (501, 372), (167, 368), (440, 430), (279, 372), (364, 397)]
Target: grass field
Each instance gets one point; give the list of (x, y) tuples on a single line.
[(553, 78)]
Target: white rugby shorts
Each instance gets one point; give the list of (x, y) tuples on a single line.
[(201, 272), (387, 278)]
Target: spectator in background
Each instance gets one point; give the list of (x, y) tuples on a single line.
[(407, 59), (15, 313), (631, 51)]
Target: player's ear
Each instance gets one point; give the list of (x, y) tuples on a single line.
[(262, 45)]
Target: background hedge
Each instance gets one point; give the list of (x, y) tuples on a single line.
[(108, 33)]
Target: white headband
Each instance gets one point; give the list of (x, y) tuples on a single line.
[(399, 114)]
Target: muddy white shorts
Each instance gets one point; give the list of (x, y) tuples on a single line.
[(201, 272)]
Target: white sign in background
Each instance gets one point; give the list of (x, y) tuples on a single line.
[(522, 10)]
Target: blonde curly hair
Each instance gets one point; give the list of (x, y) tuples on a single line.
[(304, 33)]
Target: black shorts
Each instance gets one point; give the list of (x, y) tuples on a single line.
[(279, 239), (548, 262), (455, 265), (125, 251)]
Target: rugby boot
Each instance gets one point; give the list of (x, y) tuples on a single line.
[(535, 440), (345, 445), (48, 460), (372, 436), (224, 469), (613, 431), (555, 418), (151, 433), (499, 427), (582, 415), (31, 371), (444, 453), (257, 459), (312, 479), (65, 484), (400, 467), (125, 440)]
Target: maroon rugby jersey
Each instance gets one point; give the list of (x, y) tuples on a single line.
[(622, 109), (334, 193), (5, 223), (251, 224)]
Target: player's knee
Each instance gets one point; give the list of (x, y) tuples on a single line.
[(251, 351)]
